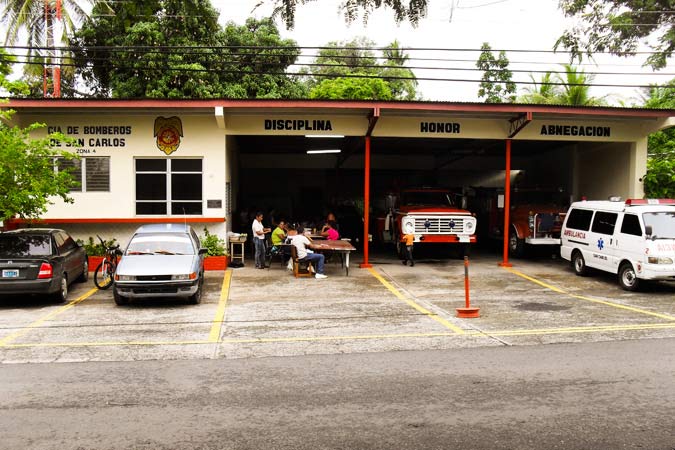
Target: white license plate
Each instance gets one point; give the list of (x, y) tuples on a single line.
[(10, 273), (464, 238)]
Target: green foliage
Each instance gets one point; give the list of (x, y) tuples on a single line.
[(95, 248), (14, 88), (351, 70), (618, 27), (572, 88), (214, 244), (413, 11), (659, 182), (352, 89), (27, 178), (176, 49), (496, 85)]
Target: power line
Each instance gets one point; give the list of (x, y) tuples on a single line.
[(142, 69), (267, 59)]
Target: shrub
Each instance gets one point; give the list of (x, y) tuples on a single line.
[(214, 244), (95, 248)]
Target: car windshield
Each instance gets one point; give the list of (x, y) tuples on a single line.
[(662, 223), (429, 198), (161, 244), (21, 246)]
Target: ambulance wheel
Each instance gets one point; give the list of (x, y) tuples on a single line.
[(628, 279), (516, 245), (579, 264)]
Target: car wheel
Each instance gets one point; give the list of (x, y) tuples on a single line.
[(516, 245), (85, 272), (628, 279), (62, 294), (120, 300), (579, 264), (196, 298)]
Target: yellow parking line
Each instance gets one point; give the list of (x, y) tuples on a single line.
[(589, 299), (419, 308), (217, 324), (5, 341), (573, 330)]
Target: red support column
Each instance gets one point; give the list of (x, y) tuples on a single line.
[(507, 205), (366, 205)]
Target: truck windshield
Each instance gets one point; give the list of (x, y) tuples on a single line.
[(662, 223), (429, 198)]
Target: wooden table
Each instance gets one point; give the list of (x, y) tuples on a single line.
[(340, 247)]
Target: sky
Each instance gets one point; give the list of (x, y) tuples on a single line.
[(461, 24)]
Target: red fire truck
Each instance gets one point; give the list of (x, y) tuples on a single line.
[(535, 217), (430, 215)]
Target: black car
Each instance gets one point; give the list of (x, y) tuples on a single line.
[(40, 261)]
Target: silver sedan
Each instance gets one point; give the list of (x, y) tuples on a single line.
[(161, 260)]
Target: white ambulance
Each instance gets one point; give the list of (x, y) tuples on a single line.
[(634, 239)]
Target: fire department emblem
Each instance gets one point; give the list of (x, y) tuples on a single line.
[(168, 131)]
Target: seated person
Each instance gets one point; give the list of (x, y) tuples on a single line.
[(330, 231), (300, 241), (279, 233), (330, 218)]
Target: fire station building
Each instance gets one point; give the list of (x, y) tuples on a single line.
[(209, 162)]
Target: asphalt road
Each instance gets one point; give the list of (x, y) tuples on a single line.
[(603, 395)]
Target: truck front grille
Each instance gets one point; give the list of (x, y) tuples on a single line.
[(439, 225)]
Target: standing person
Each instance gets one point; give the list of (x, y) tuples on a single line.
[(408, 239), (259, 240), (300, 241)]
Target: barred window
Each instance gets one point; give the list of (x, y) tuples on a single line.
[(96, 172)]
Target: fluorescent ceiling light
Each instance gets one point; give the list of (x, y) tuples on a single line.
[(318, 152), (330, 136)]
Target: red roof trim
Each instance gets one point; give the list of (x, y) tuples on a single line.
[(367, 106)]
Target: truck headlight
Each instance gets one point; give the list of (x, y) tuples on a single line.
[(408, 225), (470, 226), (530, 220), (659, 260)]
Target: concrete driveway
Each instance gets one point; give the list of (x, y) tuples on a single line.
[(252, 313)]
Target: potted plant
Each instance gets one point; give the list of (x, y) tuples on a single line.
[(217, 257), (95, 250)]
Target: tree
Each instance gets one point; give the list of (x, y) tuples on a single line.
[(28, 18), (28, 181), (175, 49), (619, 26), (576, 88), (496, 85), (659, 182), (352, 89), (571, 88), (345, 65), (413, 11), (540, 93)]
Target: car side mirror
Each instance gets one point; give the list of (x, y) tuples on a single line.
[(648, 230), (203, 251)]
